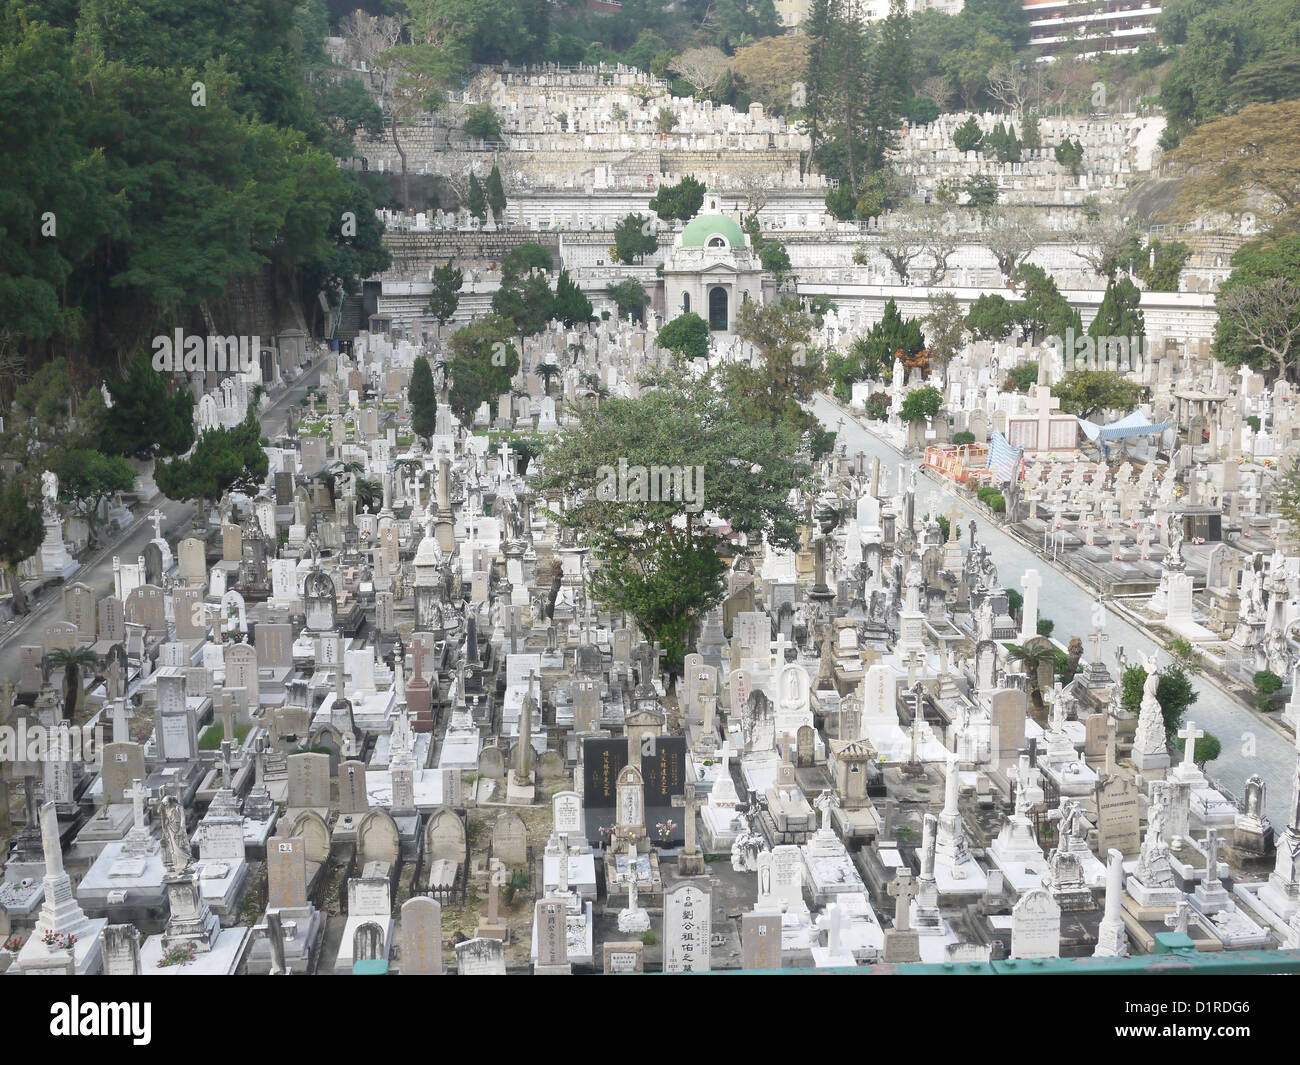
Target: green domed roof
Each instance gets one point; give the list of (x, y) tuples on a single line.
[(699, 230)]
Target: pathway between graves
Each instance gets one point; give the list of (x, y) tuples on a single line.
[(97, 572), (1249, 745)]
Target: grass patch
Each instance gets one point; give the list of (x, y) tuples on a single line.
[(214, 734)]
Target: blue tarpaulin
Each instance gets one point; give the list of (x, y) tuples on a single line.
[(1135, 424)]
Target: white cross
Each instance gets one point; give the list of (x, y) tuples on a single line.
[(1041, 406), (1189, 735), (157, 518)]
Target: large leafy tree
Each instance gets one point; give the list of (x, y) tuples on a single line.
[(991, 317), (1174, 693), (222, 459), (21, 533), (680, 202), (686, 336), (1044, 311), (1247, 162), (629, 297), (1088, 392), (784, 372), (483, 361), (1259, 307), (658, 559), (146, 420), (88, 478), (634, 237)]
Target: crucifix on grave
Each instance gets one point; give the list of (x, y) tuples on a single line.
[(1041, 405), (1097, 638), (157, 518), (825, 803), (903, 889), (1189, 734), (227, 711), (690, 862), (954, 523)]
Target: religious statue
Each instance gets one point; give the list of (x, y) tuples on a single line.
[(49, 490), (175, 837)]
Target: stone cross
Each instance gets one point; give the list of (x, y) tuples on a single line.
[(690, 803), (1097, 639), (227, 711), (226, 747), (1189, 734), (825, 802), (1211, 858), (157, 518), (563, 876), (954, 523), (902, 888), (1041, 406), (1178, 919)]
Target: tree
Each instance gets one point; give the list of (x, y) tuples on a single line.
[(1118, 317), (1029, 135), (629, 297), (658, 560), (1088, 392), (701, 67), (1008, 83), (991, 317), (1174, 693), (73, 661), (678, 202), (526, 301), (525, 257), (686, 336), (1259, 306), (1031, 659), (921, 404), (88, 478), (786, 373), (570, 305), (938, 90), (547, 371), (945, 329), (495, 193), (967, 136), (665, 121), (423, 398), (769, 68), (1069, 153), (1207, 749), (419, 78), (222, 459), (1267, 684), (483, 362), (476, 200), (1012, 236), (1249, 161), (634, 237), (21, 534), (1286, 495), (145, 420), (445, 297), (1105, 244), (482, 122), (981, 191), (1267, 316), (1162, 264), (1044, 311)]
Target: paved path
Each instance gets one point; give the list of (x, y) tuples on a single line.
[(97, 571), (1250, 744)]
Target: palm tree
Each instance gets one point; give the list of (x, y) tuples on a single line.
[(369, 493), (547, 371), (1031, 658), (72, 662)]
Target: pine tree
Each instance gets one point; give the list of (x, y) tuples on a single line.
[(476, 202), (445, 297), (967, 136), (570, 306), (145, 421), (423, 398), (496, 193)]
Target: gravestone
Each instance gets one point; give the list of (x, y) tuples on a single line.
[(760, 941), (421, 937), (510, 840), (1036, 926), (286, 873), (688, 932)]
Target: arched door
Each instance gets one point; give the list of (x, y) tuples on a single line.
[(718, 309)]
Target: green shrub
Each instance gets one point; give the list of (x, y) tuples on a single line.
[(963, 438)]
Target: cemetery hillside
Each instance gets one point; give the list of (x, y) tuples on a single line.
[(581, 487)]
